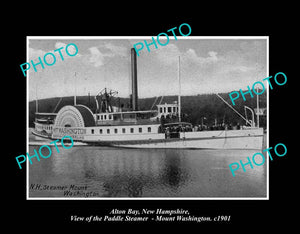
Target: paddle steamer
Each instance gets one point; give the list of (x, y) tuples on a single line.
[(160, 128)]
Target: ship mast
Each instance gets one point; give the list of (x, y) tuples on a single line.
[(257, 98), (257, 108), (36, 100), (75, 91), (179, 91)]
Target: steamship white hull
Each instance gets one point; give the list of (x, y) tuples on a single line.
[(220, 139), (149, 137)]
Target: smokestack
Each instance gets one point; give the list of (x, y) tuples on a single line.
[(134, 80)]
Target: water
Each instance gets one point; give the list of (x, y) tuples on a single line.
[(89, 171)]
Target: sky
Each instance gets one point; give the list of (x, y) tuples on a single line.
[(207, 65)]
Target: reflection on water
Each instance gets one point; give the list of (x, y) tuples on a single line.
[(113, 172)]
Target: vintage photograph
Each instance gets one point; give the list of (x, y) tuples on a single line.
[(178, 119)]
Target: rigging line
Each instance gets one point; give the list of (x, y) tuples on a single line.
[(161, 100), (57, 105), (233, 109), (154, 102)]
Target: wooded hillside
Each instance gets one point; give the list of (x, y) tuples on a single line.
[(207, 106)]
